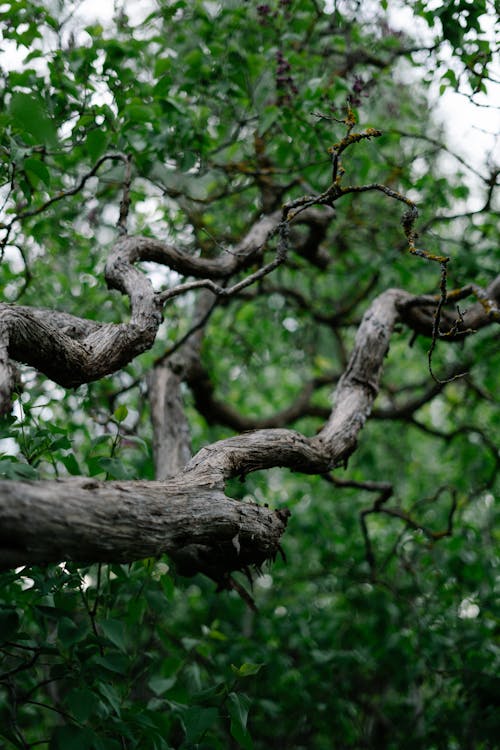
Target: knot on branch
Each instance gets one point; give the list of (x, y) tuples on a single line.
[(241, 553)]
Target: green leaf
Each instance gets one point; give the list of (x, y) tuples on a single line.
[(139, 113), (69, 632), (96, 142), (30, 114), (238, 706), (111, 696), (13, 469), (82, 703), (115, 468), (133, 440), (101, 439), (162, 64), (246, 669), (71, 464), (268, 118), (197, 721), (37, 170), (120, 413), (161, 685), (114, 630), (113, 662), (451, 76)]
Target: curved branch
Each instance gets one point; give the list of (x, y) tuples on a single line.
[(189, 516), (35, 338), (418, 312), (85, 520), (241, 256), (332, 446), (72, 351)]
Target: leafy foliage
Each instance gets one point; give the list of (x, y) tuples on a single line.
[(227, 110)]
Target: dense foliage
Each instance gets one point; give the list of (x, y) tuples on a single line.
[(377, 629)]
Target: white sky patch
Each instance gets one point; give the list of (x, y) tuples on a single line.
[(472, 129), (468, 609), (103, 11), (290, 324), (98, 10)]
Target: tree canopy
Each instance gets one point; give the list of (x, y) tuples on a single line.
[(248, 378)]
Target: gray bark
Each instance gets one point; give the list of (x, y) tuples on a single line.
[(189, 516), (72, 351), (171, 438), (171, 433), (87, 521)]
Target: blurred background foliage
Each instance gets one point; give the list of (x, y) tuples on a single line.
[(228, 109)]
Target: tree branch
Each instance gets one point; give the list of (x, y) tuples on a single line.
[(418, 312), (189, 516), (353, 399), (86, 520)]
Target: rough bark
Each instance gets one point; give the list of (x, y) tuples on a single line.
[(72, 351), (171, 439), (171, 433), (88, 521), (189, 516)]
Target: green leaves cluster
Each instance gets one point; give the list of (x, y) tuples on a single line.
[(97, 636)]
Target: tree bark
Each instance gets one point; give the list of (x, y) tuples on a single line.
[(189, 516), (171, 438), (89, 521)]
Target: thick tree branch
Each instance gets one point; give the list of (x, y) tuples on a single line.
[(353, 399), (33, 337), (245, 253), (86, 520), (171, 433), (72, 351), (171, 439), (189, 516)]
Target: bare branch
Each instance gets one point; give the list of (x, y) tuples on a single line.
[(418, 311), (219, 291), (353, 399), (82, 520)]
